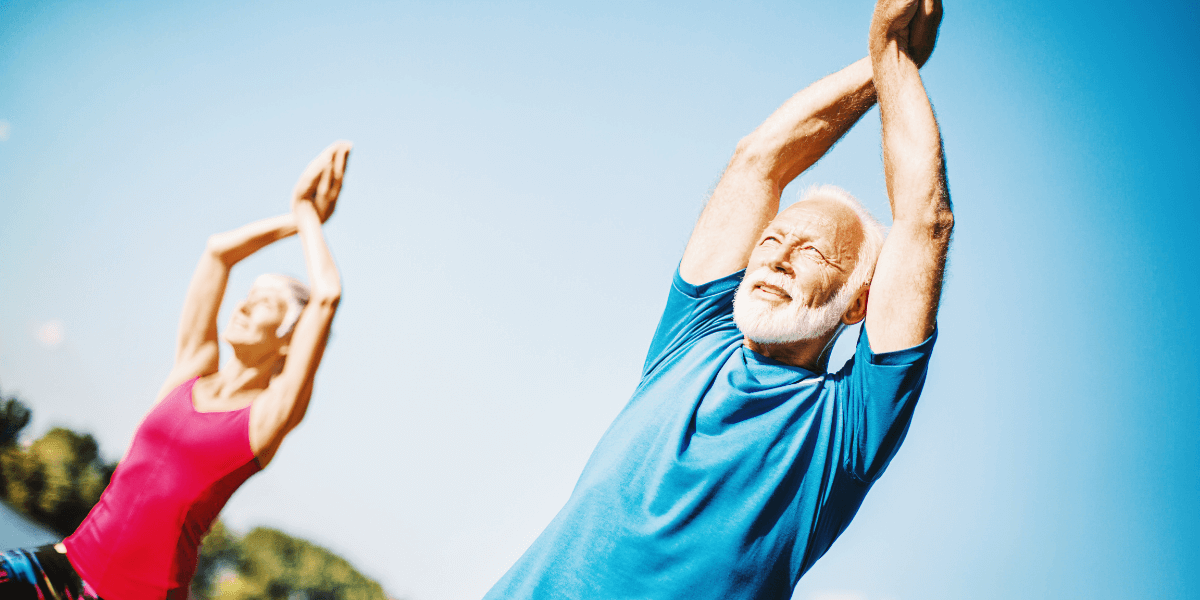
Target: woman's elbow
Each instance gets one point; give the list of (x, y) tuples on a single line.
[(219, 248), (214, 245), (327, 296)]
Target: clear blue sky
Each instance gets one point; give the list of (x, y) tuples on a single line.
[(524, 179)]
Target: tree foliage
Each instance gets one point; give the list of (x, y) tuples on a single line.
[(56, 479), (14, 416), (267, 564), (59, 477)]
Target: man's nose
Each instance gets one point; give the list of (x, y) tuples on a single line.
[(778, 260)]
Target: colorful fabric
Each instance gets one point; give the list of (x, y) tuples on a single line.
[(41, 574), (141, 540), (728, 474)]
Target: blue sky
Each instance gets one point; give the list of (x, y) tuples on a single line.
[(524, 179)]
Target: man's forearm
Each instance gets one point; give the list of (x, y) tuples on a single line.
[(805, 127), (746, 198), (907, 284), (912, 147)]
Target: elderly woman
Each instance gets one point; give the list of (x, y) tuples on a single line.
[(213, 425)]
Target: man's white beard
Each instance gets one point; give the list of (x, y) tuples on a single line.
[(765, 323)]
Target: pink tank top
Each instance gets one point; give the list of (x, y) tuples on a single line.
[(141, 539)]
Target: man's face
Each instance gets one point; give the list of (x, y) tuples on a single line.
[(801, 262)]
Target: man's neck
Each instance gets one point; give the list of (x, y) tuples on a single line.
[(806, 354)]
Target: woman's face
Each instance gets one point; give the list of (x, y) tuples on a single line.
[(256, 319)]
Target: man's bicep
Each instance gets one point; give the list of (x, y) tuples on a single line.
[(906, 288)]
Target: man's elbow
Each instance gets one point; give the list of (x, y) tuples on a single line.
[(758, 155), (765, 154), (752, 154), (942, 223), (937, 221)]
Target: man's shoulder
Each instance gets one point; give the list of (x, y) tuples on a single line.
[(713, 287), (692, 312)]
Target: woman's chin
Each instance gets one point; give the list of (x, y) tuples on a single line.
[(238, 342)]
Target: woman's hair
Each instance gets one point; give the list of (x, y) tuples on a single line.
[(295, 294)]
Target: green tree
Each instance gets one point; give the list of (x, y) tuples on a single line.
[(58, 478), (268, 564), (14, 416)]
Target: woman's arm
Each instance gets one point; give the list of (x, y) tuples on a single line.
[(281, 407), (196, 349)]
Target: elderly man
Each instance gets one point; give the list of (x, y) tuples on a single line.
[(740, 459)]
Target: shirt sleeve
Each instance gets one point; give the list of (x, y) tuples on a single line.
[(692, 311), (876, 395)]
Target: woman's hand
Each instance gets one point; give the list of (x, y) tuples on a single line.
[(283, 405), (321, 181)]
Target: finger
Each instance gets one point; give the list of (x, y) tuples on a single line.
[(323, 184), (339, 162), (320, 162), (309, 178), (932, 20), (920, 23), (339, 171), (306, 185)]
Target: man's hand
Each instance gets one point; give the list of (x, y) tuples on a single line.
[(923, 30), (321, 181), (911, 24)]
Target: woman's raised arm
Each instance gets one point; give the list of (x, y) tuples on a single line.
[(282, 406), (196, 352)]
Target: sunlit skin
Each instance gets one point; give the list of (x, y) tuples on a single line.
[(741, 226), (252, 326), (271, 374), (815, 244), (258, 353)]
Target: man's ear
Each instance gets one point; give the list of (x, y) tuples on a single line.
[(858, 308)]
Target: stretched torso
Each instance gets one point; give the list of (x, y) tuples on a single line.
[(728, 474), (141, 539)]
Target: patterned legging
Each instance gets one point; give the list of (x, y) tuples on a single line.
[(41, 574)]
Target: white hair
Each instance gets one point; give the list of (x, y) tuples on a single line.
[(797, 322), (295, 295), (791, 323), (873, 233)]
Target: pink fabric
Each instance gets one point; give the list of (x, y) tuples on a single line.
[(141, 539)]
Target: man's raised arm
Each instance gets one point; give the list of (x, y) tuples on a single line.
[(907, 285), (794, 137)]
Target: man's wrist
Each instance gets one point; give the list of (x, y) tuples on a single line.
[(883, 52)]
